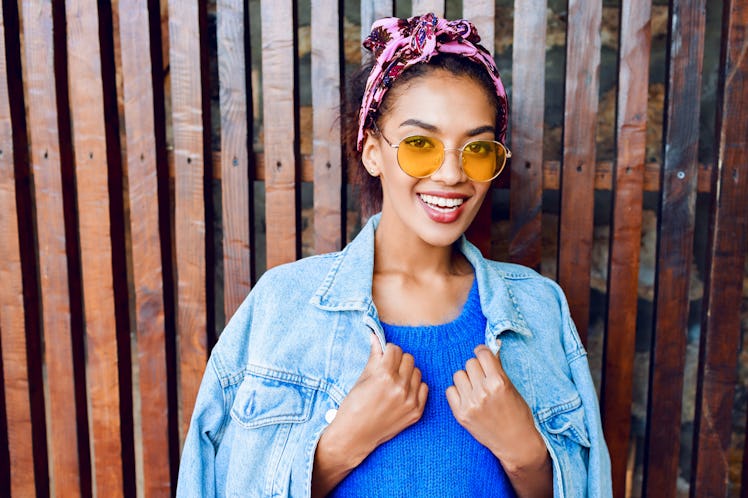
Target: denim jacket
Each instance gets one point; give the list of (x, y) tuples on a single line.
[(300, 340)]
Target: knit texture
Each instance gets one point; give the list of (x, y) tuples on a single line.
[(435, 457)]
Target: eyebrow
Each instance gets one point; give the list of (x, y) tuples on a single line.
[(432, 128)]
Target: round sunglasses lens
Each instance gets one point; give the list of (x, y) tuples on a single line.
[(420, 156), (483, 160)]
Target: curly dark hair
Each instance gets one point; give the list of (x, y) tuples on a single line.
[(371, 187)]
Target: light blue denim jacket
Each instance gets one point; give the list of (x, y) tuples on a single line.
[(300, 340)]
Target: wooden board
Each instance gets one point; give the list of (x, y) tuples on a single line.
[(237, 207), (604, 176), (15, 374), (279, 118), (147, 275), (482, 14), (674, 247), (551, 174), (327, 153), (420, 7), (44, 153), (189, 215), (578, 175), (526, 191), (723, 286), (623, 258), (90, 147)]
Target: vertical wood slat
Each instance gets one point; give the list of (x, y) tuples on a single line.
[(420, 7), (674, 246), (578, 175), (44, 151), (371, 10), (528, 73), (327, 153), (89, 143), (235, 184), (744, 472), (142, 182), (626, 220), (482, 13), (720, 324), (278, 92), (15, 372), (189, 215)]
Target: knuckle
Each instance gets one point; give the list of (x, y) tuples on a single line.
[(462, 417), (398, 392)]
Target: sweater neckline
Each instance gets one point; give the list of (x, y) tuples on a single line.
[(427, 336)]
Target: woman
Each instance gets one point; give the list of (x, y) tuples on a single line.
[(406, 364)]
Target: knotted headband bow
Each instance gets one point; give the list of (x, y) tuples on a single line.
[(400, 43)]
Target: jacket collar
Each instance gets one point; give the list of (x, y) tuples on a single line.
[(347, 286)]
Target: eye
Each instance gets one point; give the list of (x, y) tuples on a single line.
[(419, 142), (479, 147)]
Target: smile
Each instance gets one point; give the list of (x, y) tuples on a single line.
[(442, 203)]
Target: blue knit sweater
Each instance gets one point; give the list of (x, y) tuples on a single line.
[(435, 457)]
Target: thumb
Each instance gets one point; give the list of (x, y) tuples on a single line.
[(498, 354), (376, 346)]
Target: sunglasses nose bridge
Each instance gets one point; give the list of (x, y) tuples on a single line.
[(453, 172)]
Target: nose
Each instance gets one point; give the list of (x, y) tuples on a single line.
[(450, 172)]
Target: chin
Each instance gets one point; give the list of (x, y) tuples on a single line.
[(443, 235)]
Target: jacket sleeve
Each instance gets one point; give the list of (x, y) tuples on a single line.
[(197, 476), (598, 467)]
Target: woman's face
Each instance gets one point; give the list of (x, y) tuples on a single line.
[(455, 110)]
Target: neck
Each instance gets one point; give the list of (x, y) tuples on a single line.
[(399, 251)]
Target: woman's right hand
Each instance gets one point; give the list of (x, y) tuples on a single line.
[(388, 397)]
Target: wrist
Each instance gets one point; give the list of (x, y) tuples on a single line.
[(343, 452), (530, 457)]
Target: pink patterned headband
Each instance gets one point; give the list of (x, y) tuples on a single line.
[(400, 43)]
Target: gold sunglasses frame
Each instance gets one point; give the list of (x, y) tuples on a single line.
[(507, 155)]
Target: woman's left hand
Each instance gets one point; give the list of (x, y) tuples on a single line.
[(486, 403)]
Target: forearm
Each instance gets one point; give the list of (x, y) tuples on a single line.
[(530, 470), (533, 480), (332, 463)]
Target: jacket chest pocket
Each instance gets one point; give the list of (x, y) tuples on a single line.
[(268, 416)]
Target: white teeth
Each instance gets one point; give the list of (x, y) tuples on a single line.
[(443, 202)]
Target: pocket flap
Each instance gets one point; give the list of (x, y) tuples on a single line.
[(262, 401), (567, 420)]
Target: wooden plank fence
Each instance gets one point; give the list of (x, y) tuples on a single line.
[(132, 220)]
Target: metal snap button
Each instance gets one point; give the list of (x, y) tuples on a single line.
[(330, 415)]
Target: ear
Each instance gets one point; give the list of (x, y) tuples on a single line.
[(371, 154)]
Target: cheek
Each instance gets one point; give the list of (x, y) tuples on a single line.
[(481, 189)]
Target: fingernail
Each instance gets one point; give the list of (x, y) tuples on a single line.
[(498, 343)]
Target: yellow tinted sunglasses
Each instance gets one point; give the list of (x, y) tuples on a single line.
[(421, 156)]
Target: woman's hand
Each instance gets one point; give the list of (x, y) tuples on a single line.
[(388, 397), (486, 403)]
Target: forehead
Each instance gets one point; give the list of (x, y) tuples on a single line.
[(442, 99)]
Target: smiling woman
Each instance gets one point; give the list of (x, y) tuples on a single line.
[(406, 364)]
